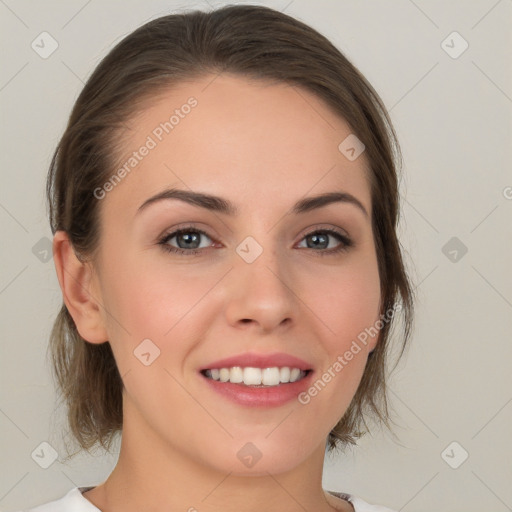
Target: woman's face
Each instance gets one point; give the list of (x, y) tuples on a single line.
[(265, 287)]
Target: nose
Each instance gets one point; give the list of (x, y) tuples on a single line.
[(261, 295)]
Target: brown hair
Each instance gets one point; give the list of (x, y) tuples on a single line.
[(250, 41)]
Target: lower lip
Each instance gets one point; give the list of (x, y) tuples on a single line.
[(268, 396)]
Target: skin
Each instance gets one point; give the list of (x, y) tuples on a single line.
[(263, 146)]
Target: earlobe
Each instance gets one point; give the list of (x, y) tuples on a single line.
[(75, 279)]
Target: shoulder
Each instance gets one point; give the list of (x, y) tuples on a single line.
[(72, 501), (360, 505)]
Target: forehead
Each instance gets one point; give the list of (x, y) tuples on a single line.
[(256, 142)]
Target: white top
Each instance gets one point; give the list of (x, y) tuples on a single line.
[(73, 501)]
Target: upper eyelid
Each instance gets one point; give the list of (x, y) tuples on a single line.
[(179, 230)]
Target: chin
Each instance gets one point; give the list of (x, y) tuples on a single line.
[(262, 456)]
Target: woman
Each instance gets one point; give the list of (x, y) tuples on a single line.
[(224, 204)]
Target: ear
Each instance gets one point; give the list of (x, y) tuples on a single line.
[(81, 297)]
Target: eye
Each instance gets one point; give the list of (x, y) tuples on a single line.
[(320, 239), (188, 240)]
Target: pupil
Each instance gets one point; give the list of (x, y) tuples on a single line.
[(189, 238), (318, 239)]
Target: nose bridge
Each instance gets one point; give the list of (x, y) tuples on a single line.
[(261, 263), (260, 288)]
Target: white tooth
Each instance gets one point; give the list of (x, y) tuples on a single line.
[(252, 376), (294, 374), (236, 375), (224, 374), (270, 376), (284, 374), (256, 376)]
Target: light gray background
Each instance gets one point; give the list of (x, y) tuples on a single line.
[(453, 117)]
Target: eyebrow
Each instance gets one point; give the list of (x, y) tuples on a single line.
[(221, 205)]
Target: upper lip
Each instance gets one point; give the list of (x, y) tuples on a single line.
[(254, 360)]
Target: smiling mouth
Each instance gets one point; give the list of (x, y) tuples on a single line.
[(256, 377)]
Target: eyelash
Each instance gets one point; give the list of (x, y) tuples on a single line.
[(346, 242)]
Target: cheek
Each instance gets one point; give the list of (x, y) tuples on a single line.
[(346, 306), (150, 297), (346, 300), (153, 302)]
